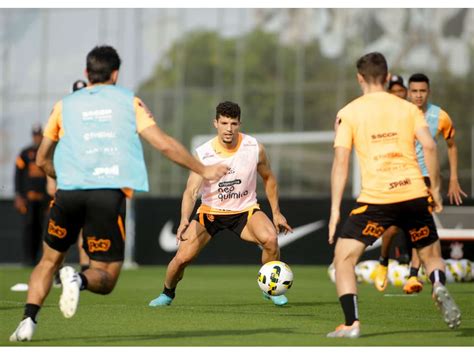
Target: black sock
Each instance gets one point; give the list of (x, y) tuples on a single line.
[(31, 310), (413, 271), (383, 260), (438, 276), (349, 306), (170, 292), (84, 267), (84, 281)]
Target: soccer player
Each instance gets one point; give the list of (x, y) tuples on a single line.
[(31, 198), (229, 203), (396, 86), (439, 123), (98, 161), (382, 128)]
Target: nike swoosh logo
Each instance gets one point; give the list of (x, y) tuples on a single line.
[(299, 232), (167, 239)]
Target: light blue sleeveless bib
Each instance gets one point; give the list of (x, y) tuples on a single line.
[(100, 148), (432, 119)]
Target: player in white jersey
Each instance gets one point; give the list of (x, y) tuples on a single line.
[(229, 203)]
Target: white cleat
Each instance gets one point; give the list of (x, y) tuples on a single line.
[(346, 331), (25, 330), (70, 295), (449, 310)]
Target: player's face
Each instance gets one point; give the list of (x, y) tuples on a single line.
[(227, 129), (399, 91), (418, 93)]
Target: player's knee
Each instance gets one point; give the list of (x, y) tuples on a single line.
[(183, 260), (270, 240)]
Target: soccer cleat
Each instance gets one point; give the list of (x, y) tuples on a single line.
[(380, 277), (277, 300), (346, 331), (25, 330), (449, 310), (161, 300), (413, 285), (70, 291)]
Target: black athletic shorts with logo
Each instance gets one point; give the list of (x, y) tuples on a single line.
[(100, 214), (367, 222), (215, 223)]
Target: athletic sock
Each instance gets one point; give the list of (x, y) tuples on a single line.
[(31, 311), (170, 292), (84, 282), (84, 267), (383, 261), (413, 271), (349, 306), (438, 276)]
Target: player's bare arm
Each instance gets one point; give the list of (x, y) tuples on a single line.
[(190, 196), (175, 151), (423, 135), (454, 190), (44, 157), (271, 190), (340, 171)]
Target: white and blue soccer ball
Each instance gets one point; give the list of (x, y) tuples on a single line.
[(275, 278)]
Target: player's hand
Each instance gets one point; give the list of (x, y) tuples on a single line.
[(455, 192), (20, 204), (333, 221), (215, 172), (281, 224), (437, 201), (183, 225)]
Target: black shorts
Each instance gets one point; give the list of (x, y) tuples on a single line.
[(215, 223), (367, 222), (100, 214)]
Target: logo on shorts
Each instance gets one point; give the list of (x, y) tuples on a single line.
[(417, 234), (373, 229), (94, 244), (210, 217), (56, 230)]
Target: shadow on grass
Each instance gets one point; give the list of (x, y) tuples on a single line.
[(460, 332), (89, 340)]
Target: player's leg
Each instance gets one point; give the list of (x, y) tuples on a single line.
[(83, 258), (261, 231), (346, 255), (381, 271), (420, 227), (413, 284), (195, 238), (39, 286), (104, 241)]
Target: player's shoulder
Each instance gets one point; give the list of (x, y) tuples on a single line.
[(248, 140), (206, 145)]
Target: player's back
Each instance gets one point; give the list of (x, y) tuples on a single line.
[(382, 127)]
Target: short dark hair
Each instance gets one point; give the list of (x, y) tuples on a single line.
[(101, 62), (228, 109), (419, 78), (373, 67)]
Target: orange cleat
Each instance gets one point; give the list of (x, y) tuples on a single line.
[(380, 277), (413, 285)]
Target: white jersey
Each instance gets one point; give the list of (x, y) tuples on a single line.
[(236, 191)]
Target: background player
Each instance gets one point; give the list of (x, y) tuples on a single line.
[(230, 203), (382, 129), (98, 160), (439, 123), (31, 197), (397, 87)]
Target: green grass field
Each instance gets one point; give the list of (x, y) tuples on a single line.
[(222, 306)]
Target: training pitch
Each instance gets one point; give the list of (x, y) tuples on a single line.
[(223, 306)]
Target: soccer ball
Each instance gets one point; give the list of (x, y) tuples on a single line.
[(275, 278), (365, 271), (398, 274)]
